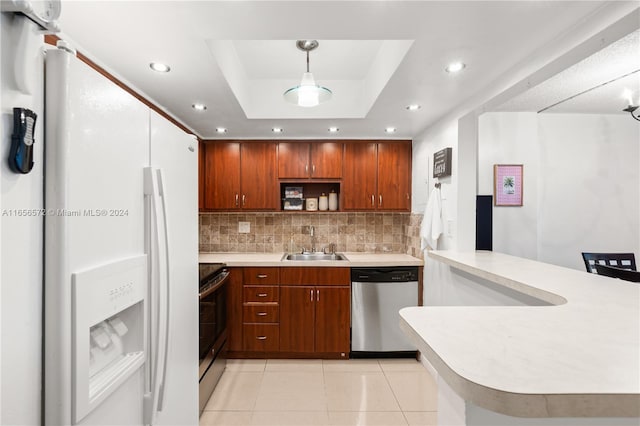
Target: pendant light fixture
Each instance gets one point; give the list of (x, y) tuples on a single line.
[(308, 93)]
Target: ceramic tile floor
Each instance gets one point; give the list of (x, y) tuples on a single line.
[(385, 392)]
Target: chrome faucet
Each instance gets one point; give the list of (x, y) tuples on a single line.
[(332, 249), (313, 240)]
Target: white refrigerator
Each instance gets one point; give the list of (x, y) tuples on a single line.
[(121, 244)]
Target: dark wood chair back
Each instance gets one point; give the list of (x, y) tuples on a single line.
[(617, 260), (613, 272)]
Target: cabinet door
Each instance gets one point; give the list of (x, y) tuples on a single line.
[(359, 176), (297, 318), (293, 160), (333, 319), (258, 172), (394, 176), (234, 309), (201, 160), (222, 176), (326, 160)]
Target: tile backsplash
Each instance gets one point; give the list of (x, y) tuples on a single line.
[(286, 231)]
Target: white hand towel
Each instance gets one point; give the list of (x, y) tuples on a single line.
[(432, 226)]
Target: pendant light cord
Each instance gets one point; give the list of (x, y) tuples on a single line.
[(307, 61)]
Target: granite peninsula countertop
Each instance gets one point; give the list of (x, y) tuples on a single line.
[(355, 259), (579, 356)]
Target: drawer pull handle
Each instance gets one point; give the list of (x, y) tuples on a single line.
[(262, 275), (261, 314), (317, 295), (262, 294), (261, 337)]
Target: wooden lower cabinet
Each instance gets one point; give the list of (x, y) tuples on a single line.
[(298, 320), (260, 337), (315, 319), (333, 319), (290, 312)]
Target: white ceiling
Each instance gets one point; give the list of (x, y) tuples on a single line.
[(594, 85), (490, 37)]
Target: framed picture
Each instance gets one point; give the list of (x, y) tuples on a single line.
[(507, 184)]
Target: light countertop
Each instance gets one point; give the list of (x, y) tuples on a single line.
[(274, 259), (579, 356)]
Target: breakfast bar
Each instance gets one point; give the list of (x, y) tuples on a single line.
[(573, 359)]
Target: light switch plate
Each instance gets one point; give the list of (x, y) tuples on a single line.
[(450, 228), (244, 227)]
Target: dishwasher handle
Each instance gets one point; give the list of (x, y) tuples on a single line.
[(383, 275)]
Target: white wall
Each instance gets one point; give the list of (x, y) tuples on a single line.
[(580, 184), (511, 138), (21, 273), (589, 180)]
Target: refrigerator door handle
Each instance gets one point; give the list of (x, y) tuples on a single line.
[(167, 338), (157, 251)]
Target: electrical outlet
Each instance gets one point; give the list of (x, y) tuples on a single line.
[(244, 227)]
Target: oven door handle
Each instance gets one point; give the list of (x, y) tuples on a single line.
[(212, 289)]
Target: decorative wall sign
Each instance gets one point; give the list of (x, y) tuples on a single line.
[(442, 163), (507, 184)]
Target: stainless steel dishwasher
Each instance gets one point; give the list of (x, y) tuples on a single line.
[(377, 294)]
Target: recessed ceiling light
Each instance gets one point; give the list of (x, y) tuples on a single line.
[(455, 67), (199, 107), (277, 129), (390, 129), (413, 107), (333, 129), (221, 130), (157, 66)]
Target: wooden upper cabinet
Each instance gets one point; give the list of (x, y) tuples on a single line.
[(240, 176), (293, 160), (326, 160), (221, 175), (359, 187), (394, 176), (377, 176), (310, 160), (258, 171)]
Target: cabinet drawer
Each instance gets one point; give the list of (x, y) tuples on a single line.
[(315, 276), (261, 312), (261, 276), (261, 337), (260, 294)]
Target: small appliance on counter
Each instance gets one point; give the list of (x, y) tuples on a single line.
[(213, 327)]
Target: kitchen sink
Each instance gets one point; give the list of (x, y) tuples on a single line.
[(313, 256)]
